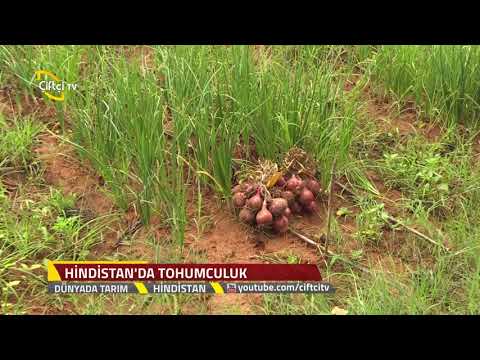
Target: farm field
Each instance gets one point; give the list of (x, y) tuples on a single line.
[(139, 158)]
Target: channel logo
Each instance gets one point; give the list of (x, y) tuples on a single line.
[(51, 85)]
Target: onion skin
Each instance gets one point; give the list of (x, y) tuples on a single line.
[(301, 185), (239, 199), (295, 208), (248, 188), (255, 202), (289, 196), (313, 186), (280, 225), (244, 187), (264, 217), (299, 188), (247, 216), (311, 207), (293, 183), (306, 196), (287, 213), (281, 182), (278, 206)]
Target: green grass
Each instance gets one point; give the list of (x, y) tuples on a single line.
[(371, 221), (120, 128), (436, 177), (17, 142), (443, 80), (32, 230), (34, 226), (161, 130), (19, 63)]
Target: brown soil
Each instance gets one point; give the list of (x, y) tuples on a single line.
[(405, 122), (380, 110), (386, 263), (390, 197), (236, 304), (229, 241), (64, 171), (432, 132), (12, 180), (26, 105), (232, 242)]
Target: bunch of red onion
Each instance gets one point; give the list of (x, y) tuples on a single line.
[(296, 196), (260, 210), (299, 193)]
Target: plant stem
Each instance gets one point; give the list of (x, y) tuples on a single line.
[(330, 195)]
